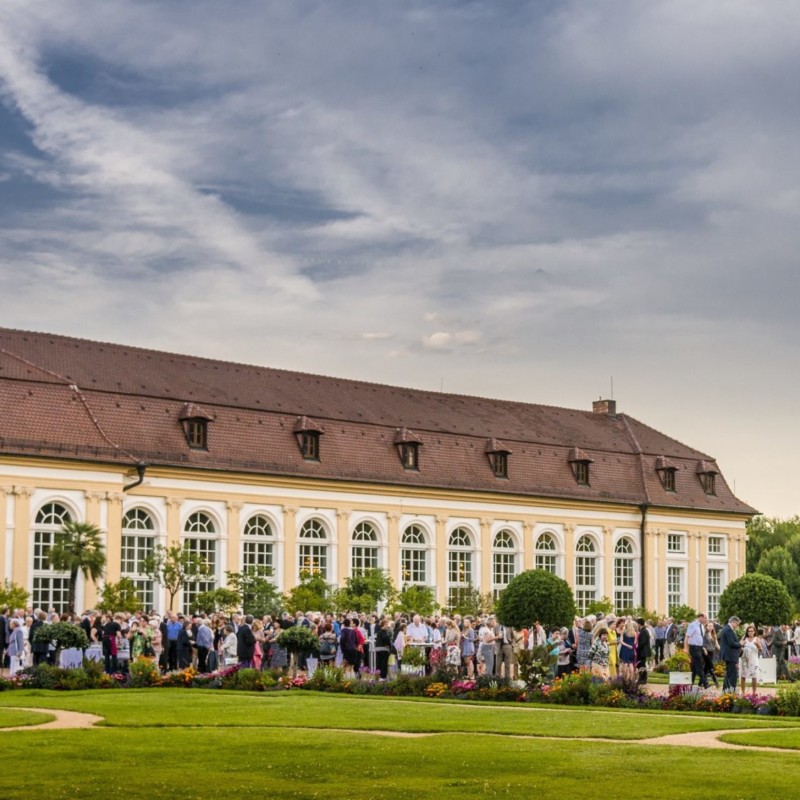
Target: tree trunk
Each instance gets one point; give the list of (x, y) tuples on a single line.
[(73, 582)]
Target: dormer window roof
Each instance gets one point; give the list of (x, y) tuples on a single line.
[(194, 421), (707, 472), (307, 433), (498, 454), (408, 443), (666, 472), (579, 461)]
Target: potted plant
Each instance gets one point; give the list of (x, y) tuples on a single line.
[(679, 668), (413, 662), (63, 635)]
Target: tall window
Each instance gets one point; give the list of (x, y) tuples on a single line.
[(585, 573), (714, 591), (364, 553), (414, 556), (200, 537), (674, 587), (623, 575), (312, 554), (50, 588), (138, 542), (459, 558), (258, 544), (546, 553), (504, 561)]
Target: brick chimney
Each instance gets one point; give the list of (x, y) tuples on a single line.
[(608, 407)]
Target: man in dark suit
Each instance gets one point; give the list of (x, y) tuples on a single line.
[(729, 651), (38, 649), (780, 645), (246, 642), (643, 650), (4, 634)]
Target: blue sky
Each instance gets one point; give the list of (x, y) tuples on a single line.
[(517, 200)]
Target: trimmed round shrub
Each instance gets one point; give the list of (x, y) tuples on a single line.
[(536, 595), (756, 598)]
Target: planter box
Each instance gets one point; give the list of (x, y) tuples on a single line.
[(410, 669), (680, 679)]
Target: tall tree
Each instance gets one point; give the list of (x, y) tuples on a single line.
[(78, 548), (777, 562)]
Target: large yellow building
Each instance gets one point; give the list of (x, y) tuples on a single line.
[(256, 466)]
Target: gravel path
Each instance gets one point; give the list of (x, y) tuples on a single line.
[(64, 720)]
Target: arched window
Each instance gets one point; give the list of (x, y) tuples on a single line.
[(138, 543), (312, 553), (623, 575), (414, 556), (504, 561), (257, 544), (459, 558), (585, 573), (200, 537), (50, 588), (546, 553), (364, 552)]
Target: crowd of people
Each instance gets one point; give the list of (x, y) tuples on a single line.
[(605, 645)]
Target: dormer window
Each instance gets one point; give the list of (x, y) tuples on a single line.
[(579, 462), (666, 472), (194, 421), (498, 454), (707, 473), (307, 433), (407, 443)]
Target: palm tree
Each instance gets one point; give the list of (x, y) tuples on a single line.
[(78, 547)]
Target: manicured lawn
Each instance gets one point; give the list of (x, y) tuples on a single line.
[(10, 718), (303, 709), (197, 744), (788, 739)]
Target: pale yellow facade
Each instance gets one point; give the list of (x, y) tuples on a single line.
[(293, 523)]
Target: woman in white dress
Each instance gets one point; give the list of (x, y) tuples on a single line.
[(751, 647)]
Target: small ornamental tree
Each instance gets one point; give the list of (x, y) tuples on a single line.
[(415, 599), (12, 595), (536, 595), (682, 613), (313, 593), (298, 640), (756, 598), (175, 567), (64, 635), (120, 596), (365, 591), (78, 548)]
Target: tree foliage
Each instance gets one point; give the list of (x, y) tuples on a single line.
[(764, 533), (175, 567), (12, 595), (311, 594), (63, 634), (414, 599), (120, 596), (536, 595), (777, 562), (364, 592), (468, 601), (78, 548), (604, 605), (682, 613), (226, 600), (756, 598), (258, 595), (299, 639)]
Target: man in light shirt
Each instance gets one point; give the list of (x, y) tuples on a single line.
[(417, 631), (694, 646)]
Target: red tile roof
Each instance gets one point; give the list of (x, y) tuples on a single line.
[(65, 397)]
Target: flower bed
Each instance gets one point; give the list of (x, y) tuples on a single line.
[(581, 689)]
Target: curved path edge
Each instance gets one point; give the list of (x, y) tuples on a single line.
[(64, 720)]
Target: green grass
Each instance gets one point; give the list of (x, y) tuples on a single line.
[(787, 739), (10, 718), (302, 709), (208, 744)]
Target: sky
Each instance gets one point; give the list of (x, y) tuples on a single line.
[(530, 201)]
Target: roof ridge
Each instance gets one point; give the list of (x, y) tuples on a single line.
[(639, 455), (262, 367)]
